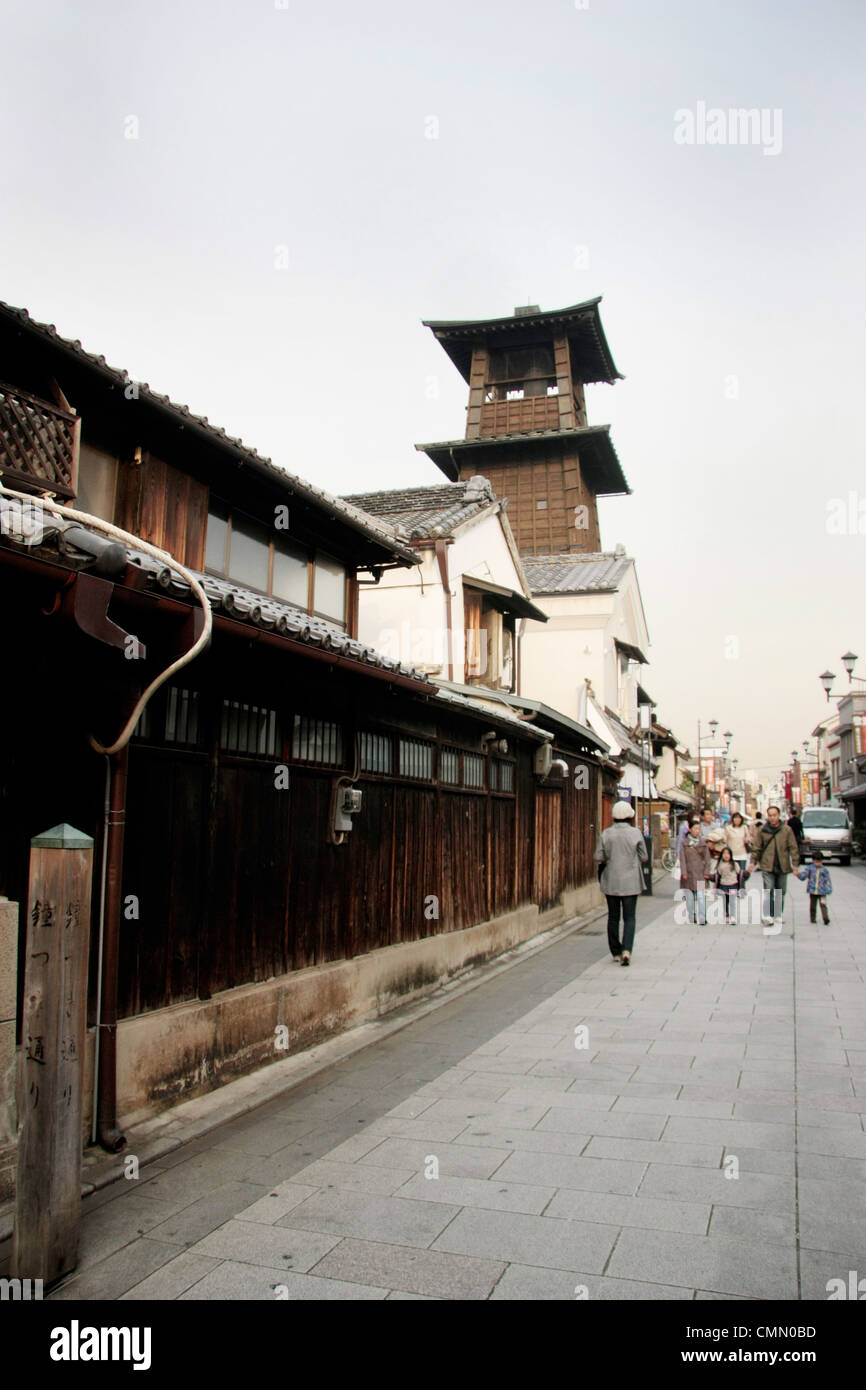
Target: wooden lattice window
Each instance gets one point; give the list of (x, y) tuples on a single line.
[(38, 441)]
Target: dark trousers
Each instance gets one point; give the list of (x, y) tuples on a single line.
[(628, 907), (814, 900)]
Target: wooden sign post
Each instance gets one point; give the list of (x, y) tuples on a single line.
[(50, 1079)]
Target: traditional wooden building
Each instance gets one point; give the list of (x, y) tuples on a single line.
[(526, 425), (301, 831)]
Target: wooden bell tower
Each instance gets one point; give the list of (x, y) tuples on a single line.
[(526, 427)]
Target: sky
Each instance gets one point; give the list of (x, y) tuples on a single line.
[(252, 204)]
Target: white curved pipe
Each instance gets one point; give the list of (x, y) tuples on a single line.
[(134, 543)]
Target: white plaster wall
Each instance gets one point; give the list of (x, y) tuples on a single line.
[(404, 616)]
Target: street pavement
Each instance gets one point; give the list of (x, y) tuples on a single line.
[(689, 1128)]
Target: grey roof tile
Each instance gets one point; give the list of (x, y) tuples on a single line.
[(367, 525), (575, 573), (420, 513)]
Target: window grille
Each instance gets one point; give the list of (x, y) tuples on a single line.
[(377, 753), (473, 770), (416, 759), (181, 716), (449, 766), (317, 741), (249, 729), (144, 725), (501, 776)]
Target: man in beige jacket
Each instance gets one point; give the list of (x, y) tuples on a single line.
[(776, 853)]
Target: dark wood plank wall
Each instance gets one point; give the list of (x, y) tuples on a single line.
[(164, 506), (237, 882)]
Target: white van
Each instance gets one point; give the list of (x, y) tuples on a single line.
[(828, 829)]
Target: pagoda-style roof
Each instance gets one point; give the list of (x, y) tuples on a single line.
[(598, 459), (590, 355)]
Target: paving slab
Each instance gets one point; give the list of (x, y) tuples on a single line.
[(563, 1172), (528, 1283), (714, 1264), (532, 1240), (398, 1267), (394, 1220), (248, 1283)]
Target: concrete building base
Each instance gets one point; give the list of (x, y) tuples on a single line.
[(177, 1053)]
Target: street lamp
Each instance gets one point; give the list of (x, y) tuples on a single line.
[(827, 678), (714, 724)]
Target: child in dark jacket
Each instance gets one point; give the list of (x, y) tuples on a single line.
[(818, 885)]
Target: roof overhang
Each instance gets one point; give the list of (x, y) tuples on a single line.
[(505, 600), (635, 654), (551, 717), (581, 323), (139, 415), (599, 463)]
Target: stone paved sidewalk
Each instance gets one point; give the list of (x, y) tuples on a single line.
[(690, 1128)]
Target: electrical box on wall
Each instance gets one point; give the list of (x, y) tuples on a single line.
[(347, 804), (543, 760)]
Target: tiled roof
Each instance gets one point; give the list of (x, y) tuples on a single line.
[(575, 573), (419, 513), (599, 463), (369, 526), (481, 709), (580, 322), (623, 734), (274, 614)]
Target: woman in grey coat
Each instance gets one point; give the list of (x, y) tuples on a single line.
[(621, 851)]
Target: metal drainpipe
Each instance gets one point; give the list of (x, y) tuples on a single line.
[(442, 558), (108, 1133)]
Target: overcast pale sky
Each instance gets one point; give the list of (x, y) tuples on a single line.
[(252, 205)]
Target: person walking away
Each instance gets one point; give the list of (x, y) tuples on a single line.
[(819, 886), (736, 839), (728, 881), (620, 852), (776, 853), (694, 867), (796, 825)]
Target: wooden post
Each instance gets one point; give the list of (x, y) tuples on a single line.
[(48, 1197)]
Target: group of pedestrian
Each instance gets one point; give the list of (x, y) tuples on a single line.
[(724, 858), (709, 854)]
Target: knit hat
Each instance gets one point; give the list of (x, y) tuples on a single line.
[(623, 810)]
